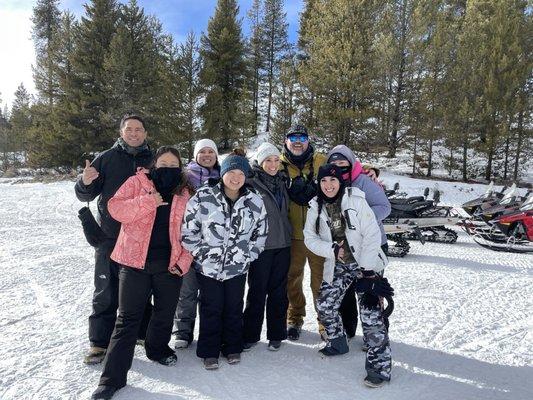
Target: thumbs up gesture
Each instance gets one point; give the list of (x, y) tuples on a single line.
[(89, 174)]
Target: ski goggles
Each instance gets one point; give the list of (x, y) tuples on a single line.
[(298, 138)]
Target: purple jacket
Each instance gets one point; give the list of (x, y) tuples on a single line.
[(374, 193), (198, 175)]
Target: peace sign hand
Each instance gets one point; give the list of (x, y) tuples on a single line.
[(89, 173)]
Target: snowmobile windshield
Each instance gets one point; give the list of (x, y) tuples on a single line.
[(528, 204), (488, 193), (509, 194)]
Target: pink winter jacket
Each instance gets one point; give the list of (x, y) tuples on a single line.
[(135, 208)]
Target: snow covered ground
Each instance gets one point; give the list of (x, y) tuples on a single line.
[(462, 326)]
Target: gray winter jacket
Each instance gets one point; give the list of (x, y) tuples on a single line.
[(279, 226), (223, 240), (374, 193)]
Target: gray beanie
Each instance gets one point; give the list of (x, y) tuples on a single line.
[(266, 150)]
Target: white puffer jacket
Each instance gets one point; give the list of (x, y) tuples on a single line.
[(362, 233)]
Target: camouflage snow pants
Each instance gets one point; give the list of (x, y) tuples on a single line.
[(375, 335)]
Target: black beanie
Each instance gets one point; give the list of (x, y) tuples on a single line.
[(335, 172)]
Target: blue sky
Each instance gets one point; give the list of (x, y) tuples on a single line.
[(181, 16), (177, 16)]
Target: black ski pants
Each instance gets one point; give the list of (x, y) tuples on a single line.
[(105, 298), (135, 288), (267, 284), (221, 304)]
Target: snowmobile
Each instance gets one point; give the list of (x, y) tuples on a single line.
[(398, 244), (509, 203), (394, 193), (482, 221), (426, 218), (511, 231), (490, 197)]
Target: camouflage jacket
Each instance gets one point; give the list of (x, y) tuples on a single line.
[(224, 240), (362, 233)]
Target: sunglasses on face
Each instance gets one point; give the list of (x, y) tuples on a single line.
[(298, 138)]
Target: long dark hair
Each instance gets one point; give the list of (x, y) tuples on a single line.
[(184, 182), (320, 202)]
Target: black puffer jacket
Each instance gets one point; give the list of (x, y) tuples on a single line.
[(115, 165)]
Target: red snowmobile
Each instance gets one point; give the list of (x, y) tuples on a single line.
[(510, 231)]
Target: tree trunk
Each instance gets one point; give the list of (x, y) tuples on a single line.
[(393, 140), (506, 162), (414, 154), (519, 143), (465, 160), (430, 157)]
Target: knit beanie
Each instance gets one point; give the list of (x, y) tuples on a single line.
[(329, 170), (200, 144), (335, 172), (264, 151), (235, 162)]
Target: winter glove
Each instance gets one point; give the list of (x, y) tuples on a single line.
[(376, 286), (301, 191)]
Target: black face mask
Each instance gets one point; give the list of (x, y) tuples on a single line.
[(346, 172), (166, 179)]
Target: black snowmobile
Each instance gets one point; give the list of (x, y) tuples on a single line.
[(427, 220), (490, 197)]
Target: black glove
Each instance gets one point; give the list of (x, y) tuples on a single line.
[(376, 286), (301, 191)]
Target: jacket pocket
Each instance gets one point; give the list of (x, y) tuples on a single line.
[(351, 216)]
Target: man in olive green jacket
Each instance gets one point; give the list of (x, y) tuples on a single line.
[(300, 165)]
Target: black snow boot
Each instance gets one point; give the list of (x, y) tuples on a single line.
[(293, 332), (335, 347), (103, 392)]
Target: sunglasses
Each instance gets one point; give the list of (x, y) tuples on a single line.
[(298, 138)]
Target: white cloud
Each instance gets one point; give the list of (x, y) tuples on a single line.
[(16, 52)]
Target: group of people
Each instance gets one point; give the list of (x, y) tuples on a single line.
[(178, 237)]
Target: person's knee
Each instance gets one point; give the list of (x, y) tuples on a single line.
[(105, 299)]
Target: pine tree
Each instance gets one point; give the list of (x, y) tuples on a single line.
[(285, 98), (4, 137), (275, 46), (435, 48), (341, 68), (46, 25), (495, 29), (396, 69), (256, 60), (20, 122), (305, 99), (64, 54), (223, 75), (52, 140), (190, 64), (131, 81), (88, 98)]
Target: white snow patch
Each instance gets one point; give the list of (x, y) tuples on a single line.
[(461, 328)]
